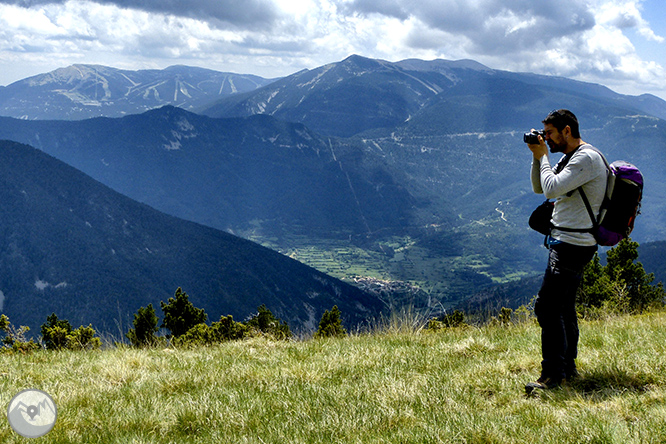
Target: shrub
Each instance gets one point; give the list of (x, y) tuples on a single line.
[(455, 319), (57, 334), (621, 286), (83, 338), (330, 324), (226, 329), (54, 332), (505, 316), (180, 315), (145, 327), (15, 339), (266, 323)]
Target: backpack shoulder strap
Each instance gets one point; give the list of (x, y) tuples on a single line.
[(596, 150), (593, 218)]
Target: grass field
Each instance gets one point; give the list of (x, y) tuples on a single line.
[(395, 385)]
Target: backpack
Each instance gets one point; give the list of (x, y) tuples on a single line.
[(621, 204)]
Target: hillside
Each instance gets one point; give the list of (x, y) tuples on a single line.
[(230, 174), (85, 91), (453, 386), (72, 246)]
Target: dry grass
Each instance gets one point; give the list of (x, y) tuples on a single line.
[(399, 385)]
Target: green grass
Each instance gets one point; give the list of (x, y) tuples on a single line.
[(397, 385)]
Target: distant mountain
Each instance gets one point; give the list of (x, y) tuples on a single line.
[(341, 99), (84, 91), (72, 246), (455, 128), (360, 94), (229, 173)]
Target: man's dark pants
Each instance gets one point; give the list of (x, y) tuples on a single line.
[(555, 308)]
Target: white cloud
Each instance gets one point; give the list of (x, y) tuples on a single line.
[(626, 15)]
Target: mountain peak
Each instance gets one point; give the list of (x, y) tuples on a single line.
[(83, 91)]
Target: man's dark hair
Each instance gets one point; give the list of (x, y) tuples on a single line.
[(562, 118)]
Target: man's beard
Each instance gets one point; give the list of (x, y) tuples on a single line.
[(556, 148)]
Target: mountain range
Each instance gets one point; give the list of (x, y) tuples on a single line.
[(86, 91), (360, 94), (72, 246), (418, 166), (226, 173)]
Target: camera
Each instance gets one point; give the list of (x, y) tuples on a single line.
[(532, 138)]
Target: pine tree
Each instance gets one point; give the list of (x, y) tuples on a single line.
[(54, 332), (330, 324), (180, 315), (145, 327), (622, 284)]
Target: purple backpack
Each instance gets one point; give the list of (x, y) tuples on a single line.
[(624, 192)]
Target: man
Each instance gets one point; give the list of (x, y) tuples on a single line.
[(571, 243)]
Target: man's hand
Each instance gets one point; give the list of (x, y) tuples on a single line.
[(539, 150)]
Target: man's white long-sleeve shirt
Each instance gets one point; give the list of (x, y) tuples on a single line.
[(585, 168)]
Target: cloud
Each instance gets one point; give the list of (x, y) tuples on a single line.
[(587, 40), (487, 25), (627, 15), (243, 13), (591, 40)]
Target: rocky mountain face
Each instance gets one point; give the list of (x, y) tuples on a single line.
[(85, 91), (72, 246)]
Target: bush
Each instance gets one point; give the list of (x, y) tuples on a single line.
[(57, 334), (54, 332), (266, 323), (330, 324), (15, 339), (145, 327), (180, 315), (83, 338), (226, 329), (621, 286)]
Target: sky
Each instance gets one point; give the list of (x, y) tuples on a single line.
[(617, 43)]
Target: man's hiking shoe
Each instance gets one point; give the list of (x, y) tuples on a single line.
[(572, 374), (542, 384)]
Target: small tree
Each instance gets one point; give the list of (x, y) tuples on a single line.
[(15, 339), (265, 322), (180, 315), (57, 334), (330, 324), (145, 327), (83, 338), (621, 285), (54, 332)]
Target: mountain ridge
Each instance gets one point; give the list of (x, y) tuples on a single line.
[(84, 91), (378, 95), (72, 246)]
